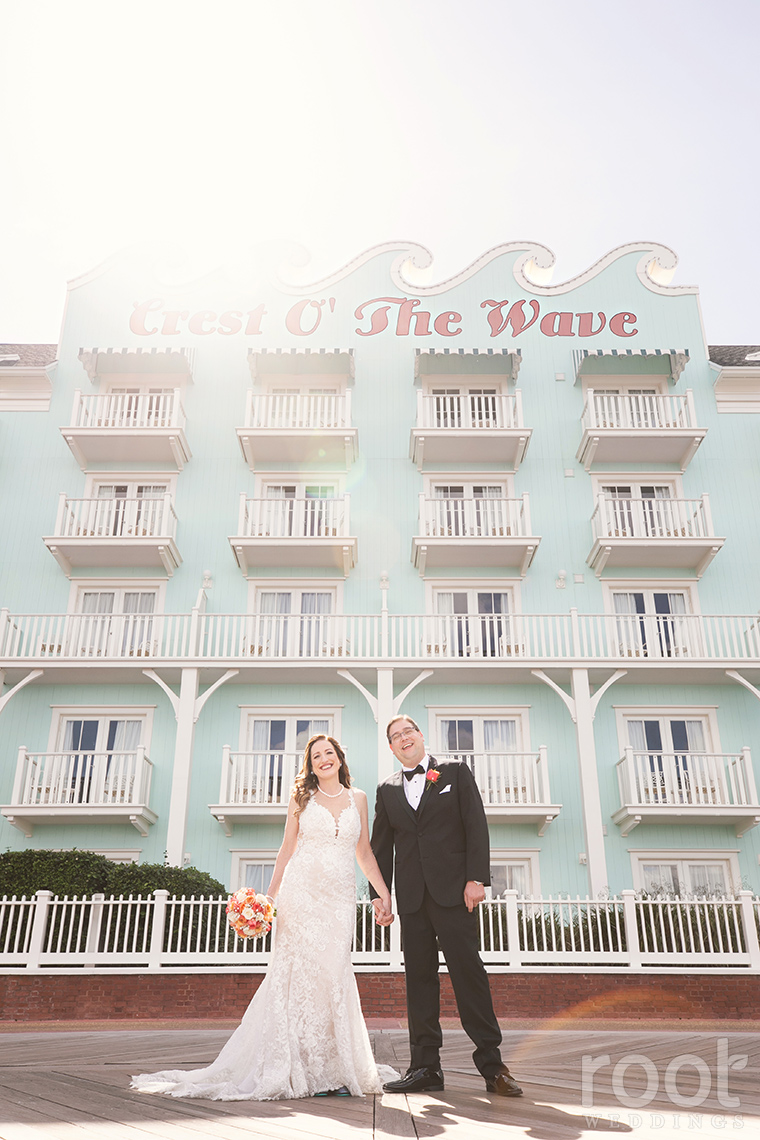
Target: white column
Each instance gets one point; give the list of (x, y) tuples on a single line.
[(589, 781), (183, 763), (384, 714)]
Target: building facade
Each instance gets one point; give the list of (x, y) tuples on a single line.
[(237, 512)]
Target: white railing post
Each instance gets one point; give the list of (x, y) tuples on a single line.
[(691, 413), (60, 515), (5, 623), (513, 929), (518, 409), (346, 409), (575, 631), (138, 791), (224, 796), (19, 779), (193, 648), (76, 416), (707, 516), (167, 526), (345, 529), (156, 950), (526, 516), (751, 941), (421, 420), (249, 409), (242, 513), (396, 958), (543, 775), (39, 925), (94, 927), (748, 775), (631, 929), (424, 524), (590, 409)]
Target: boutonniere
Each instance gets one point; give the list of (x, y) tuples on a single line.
[(432, 776)]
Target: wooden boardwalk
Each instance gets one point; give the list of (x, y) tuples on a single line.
[(75, 1086)]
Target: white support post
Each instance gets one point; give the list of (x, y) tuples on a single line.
[(513, 929), (39, 924), (747, 907), (631, 929), (589, 781), (93, 930), (183, 761), (157, 930), (385, 711)]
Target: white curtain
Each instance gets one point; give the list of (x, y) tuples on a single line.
[(500, 735)]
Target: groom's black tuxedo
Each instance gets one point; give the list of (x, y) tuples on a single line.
[(438, 849), (441, 845)]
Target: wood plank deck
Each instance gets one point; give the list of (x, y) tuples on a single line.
[(74, 1085)]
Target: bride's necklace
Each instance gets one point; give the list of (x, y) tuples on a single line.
[(332, 795)]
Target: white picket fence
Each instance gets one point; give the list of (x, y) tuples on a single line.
[(159, 931)]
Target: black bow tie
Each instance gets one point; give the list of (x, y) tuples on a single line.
[(414, 772)]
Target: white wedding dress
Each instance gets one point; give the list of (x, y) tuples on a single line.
[(303, 1032)]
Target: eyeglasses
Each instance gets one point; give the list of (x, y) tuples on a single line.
[(402, 735)]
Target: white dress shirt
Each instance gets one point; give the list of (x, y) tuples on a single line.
[(414, 788)]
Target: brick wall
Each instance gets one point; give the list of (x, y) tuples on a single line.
[(90, 995)]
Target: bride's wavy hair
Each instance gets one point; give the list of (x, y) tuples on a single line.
[(306, 781)]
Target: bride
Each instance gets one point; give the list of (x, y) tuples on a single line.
[(303, 1033)]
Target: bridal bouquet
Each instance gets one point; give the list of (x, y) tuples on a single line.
[(250, 915)]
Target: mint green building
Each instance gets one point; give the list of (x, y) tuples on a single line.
[(238, 511)]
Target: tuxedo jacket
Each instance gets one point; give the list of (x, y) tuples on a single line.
[(440, 846)]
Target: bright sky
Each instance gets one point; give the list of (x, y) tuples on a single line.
[(339, 124)]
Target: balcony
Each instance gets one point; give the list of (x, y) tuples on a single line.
[(255, 786), (687, 788), (294, 532), (53, 788), (116, 532), (298, 428), (639, 429), (128, 427), (514, 785), (469, 428), (658, 533), (474, 532)]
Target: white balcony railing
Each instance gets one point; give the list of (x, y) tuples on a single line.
[(293, 518), (72, 779), (638, 413), (116, 518), (145, 411), (621, 932), (257, 778), (652, 518), (690, 778), (288, 412), (457, 412), (507, 778), (728, 638), (474, 518)]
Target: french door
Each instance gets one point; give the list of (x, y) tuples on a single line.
[(97, 758), (653, 623), (474, 622), (294, 623), (116, 622)]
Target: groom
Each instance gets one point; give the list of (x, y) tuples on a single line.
[(432, 815)]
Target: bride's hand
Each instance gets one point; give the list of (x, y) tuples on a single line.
[(383, 911)]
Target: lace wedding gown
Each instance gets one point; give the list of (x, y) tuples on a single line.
[(303, 1032)]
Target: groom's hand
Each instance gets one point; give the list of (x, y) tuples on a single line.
[(474, 893), (383, 917)]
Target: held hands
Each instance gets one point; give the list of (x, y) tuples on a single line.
[(383, 911), (474, 893)]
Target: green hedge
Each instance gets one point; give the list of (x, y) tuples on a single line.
[(84, 873)]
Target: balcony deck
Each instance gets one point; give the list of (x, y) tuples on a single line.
[(659, 429), (298, 428), (147, 428), (294, 532), (117, 532), (469, 428), (474, 532), (658, 533)]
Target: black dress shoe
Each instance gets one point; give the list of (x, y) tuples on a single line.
[(417, 1080), (503, 1084)]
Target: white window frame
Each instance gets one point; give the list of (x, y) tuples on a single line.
[(300, 481), (708, 713), (305, 382), (625, 383), (478, 713), (124, 855), (96, 479), (528, 857), (242, 857), (62, 713), (637, 479), (288, 712), (468, 480), (729, 856), (80, 586), (685, 586), (434, 586), (256, 586)]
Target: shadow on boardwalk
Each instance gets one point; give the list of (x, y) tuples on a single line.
[(74, 1085)]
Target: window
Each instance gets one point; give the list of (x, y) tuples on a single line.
[(305, 407), (113, 622), (701, 873), (513, 870), (252, 869), (640, 510), (474, 622), (97, 755), (295, 622), (494, 745), (620, 407), (465, 408), (653, 623), (465, 509), (273, 745), (137, 407), (672, 758), (128, 508), (301, 509)]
